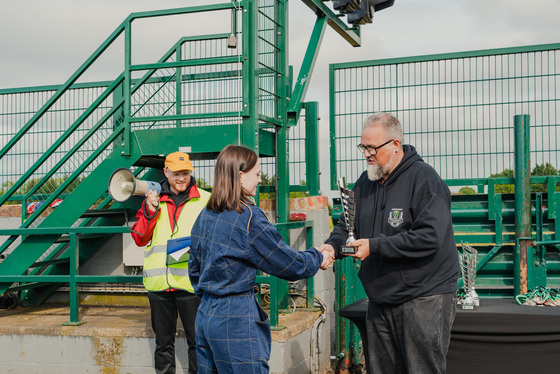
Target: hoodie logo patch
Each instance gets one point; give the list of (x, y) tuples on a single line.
[(396, 217)]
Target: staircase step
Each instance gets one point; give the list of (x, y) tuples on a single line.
[(103, 213), (66, 238), (27, 286), (156, 162), (57, 261)]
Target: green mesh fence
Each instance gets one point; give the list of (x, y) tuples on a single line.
[(17, 106), (456, 109)]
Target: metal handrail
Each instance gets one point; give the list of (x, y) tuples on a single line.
[(275, 293), (74, 279)]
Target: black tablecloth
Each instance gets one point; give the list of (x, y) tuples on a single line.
[(499, 336)]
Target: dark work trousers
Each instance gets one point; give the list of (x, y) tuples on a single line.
[(164, 309), (412, 337)]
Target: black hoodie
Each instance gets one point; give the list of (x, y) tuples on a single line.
[(408, 222)]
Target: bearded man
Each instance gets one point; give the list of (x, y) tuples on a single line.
[(409, 260)]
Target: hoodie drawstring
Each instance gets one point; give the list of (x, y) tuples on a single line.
[(383, 198)]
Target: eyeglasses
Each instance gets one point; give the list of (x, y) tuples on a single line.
[(372, 150), (179, 174)]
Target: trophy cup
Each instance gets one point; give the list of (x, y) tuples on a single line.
[(348, 201), (468, 270)]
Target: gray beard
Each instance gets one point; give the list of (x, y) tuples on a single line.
[(375, 172)]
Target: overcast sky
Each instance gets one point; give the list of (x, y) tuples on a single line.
[(43, 42)]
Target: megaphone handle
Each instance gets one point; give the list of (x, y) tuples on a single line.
[(152, 196)]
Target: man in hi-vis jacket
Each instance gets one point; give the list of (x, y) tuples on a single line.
[(163, 218)]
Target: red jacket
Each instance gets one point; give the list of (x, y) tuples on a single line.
[(144, 227)]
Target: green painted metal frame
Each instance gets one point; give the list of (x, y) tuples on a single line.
[(312, 148), (350, 34), (130, 143), (73, 278), (282, 136), (277, 285), (348, 290), (523, 224), (120, 105), (123, 128), (309, 60)]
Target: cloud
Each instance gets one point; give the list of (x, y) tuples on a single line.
[(45, 42)]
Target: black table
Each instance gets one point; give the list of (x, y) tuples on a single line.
[(497, 337)]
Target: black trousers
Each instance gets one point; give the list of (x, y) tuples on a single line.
[(412, 337), (165, 307)]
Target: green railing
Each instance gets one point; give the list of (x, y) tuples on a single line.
[(60, 142), (73, 278), (277, 290)]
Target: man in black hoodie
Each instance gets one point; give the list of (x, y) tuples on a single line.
[(410, 263)]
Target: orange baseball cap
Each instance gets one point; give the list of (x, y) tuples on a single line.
[(178, 161)]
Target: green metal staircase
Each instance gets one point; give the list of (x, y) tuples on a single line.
[(131, 123), (201, 95)]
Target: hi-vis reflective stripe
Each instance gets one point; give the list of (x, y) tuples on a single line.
[(177, 272), (155, 249)]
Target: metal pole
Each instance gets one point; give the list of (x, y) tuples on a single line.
[(312, 147), (522, 202), (74, 286)]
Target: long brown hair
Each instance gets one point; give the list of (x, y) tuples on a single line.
[(227, 192)]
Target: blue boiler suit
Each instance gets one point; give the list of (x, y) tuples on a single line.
[(232, 331)]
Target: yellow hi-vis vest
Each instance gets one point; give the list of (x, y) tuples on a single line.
[(158, 276)]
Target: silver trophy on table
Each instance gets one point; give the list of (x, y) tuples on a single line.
[(468, 270), (348, 200)]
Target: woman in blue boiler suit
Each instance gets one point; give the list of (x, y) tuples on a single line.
[(231, 240)]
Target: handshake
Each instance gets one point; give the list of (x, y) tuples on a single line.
[(328, 255), (362, 251)]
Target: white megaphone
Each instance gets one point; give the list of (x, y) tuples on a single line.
[(123, 185)]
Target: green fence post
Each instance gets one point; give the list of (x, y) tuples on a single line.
[(178, 83), (282, 137), (522, 202), (74, 290), (312, 147), (274, 302), (538, 277), (556, 197), (249, 127), (310, 280)]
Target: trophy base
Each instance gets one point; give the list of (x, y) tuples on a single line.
[(468, 303), (346, 249)]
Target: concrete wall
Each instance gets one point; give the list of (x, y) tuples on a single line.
[(40, 354), (112, 340)]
